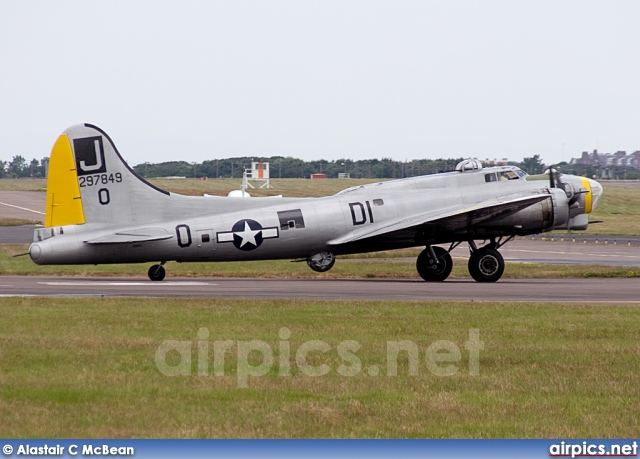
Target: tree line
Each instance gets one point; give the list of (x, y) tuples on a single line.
[(20, 167), (387, 168), (288, 167)]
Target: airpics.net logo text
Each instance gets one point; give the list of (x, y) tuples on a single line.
[(256, 358)]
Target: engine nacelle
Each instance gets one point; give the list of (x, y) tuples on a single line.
[(542, 216)]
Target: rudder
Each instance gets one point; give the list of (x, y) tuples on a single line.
[(64, 204)]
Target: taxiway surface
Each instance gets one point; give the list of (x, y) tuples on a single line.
[(514, 290)]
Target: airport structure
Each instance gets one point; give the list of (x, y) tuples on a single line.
[(619, 158), (259, 172)]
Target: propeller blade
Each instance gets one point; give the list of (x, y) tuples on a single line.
[(552, 179), (577, 195), (20, 255)]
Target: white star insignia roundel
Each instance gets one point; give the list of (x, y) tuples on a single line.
[(247, 234)]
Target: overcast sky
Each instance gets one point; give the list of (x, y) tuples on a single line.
[(187, 80)]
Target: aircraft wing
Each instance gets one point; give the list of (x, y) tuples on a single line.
[(137, 235), (454, 218)]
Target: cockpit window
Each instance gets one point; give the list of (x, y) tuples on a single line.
[(42, 234), (507, 175), (490, 177)]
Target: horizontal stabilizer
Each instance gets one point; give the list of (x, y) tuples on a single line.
[(137, 235)]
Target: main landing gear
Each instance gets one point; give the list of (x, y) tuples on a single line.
[(157, 272), (322, 261), (434, 264), (486, 264)]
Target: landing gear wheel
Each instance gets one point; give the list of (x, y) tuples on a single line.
[(486, 265), (431, 271), (321, 262), (157, 273)]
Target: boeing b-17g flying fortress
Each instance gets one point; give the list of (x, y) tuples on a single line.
[(100, 211)]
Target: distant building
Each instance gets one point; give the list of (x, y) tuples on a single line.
[(619, 158)]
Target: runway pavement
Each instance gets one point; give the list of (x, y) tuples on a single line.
[(16, 234), (28, 205), (524, 290)]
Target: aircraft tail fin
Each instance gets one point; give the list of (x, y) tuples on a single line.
[(89, 182)]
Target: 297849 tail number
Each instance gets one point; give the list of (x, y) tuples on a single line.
[(99, 179)]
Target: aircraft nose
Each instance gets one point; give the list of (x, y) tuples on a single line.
[(596, 192)]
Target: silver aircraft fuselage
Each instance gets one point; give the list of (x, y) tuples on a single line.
[(100, 211)]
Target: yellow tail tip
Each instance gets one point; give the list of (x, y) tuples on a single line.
[(64, 204)]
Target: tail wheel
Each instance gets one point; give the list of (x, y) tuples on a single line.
[(434, 270), (156, 273), (321, 262), (486, 265)]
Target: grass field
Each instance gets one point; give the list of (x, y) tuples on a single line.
[(87, 368), (398, 264), (23, 184), (7, 221)]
